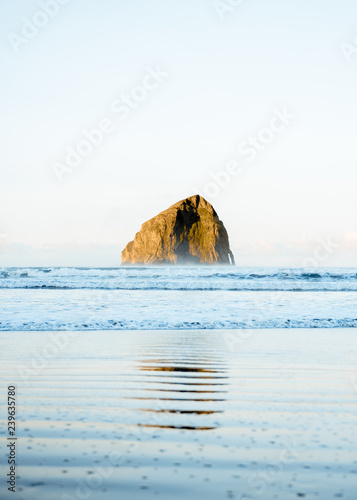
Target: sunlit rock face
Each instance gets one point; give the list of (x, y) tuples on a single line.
[(189, 232)]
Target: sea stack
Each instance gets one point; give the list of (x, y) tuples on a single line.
[(188, 232)]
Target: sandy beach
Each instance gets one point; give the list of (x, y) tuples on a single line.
[(239, 414)]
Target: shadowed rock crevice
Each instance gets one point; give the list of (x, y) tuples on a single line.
[(188, 232)]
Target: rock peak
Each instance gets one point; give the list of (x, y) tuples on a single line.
[(188, 232), (196, 201)]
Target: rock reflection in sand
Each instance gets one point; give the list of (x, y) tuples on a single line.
[(197, 385)]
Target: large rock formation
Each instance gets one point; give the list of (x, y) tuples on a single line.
[(188, 232)]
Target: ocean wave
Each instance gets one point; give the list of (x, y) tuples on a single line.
[(12, 325), (180, 278), (181, 288), (311, 276), (183, 305)]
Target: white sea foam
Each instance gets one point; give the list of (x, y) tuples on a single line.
[(161, 308), (181, 278)]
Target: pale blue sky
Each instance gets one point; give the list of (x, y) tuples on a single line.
[(225, 79)]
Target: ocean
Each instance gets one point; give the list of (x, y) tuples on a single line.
[(173, 298), (168, 382)]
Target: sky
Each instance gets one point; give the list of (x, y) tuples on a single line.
[(112, 111)]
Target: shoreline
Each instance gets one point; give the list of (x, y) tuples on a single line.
[(171, 330)]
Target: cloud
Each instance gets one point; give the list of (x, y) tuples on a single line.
[(349, 241), (75, 254)]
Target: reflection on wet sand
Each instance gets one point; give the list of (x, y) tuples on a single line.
[(184, 412), (188, 390), (178, 369), (196, 382), (172, 399), (182, 427)]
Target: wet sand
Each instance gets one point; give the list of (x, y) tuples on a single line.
[(248, 414)]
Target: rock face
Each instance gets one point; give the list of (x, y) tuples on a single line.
[(188, 232)]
